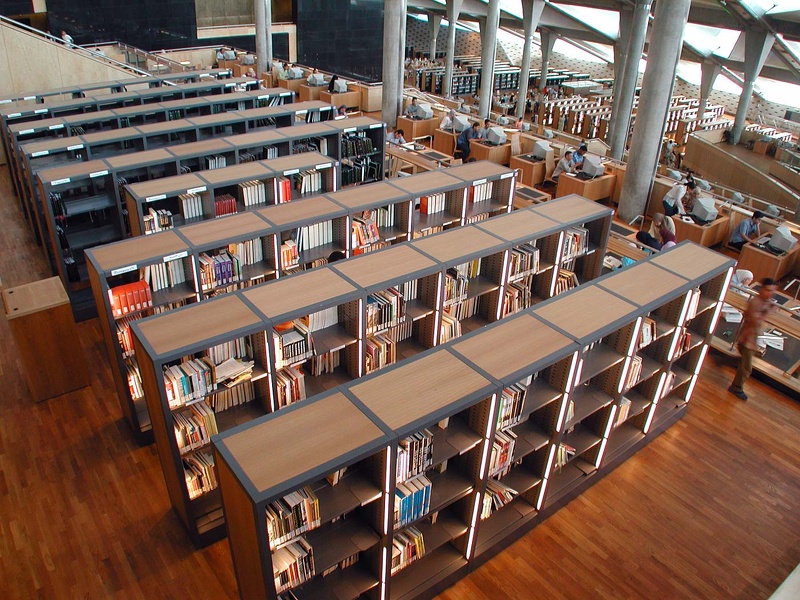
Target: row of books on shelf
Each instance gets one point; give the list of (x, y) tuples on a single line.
[(124, 337), (524, 260), (293, 564), (496, 496), (380, 351), (511, 402), (128, 298), (624, 411), (254, 192), (564, 454), (196, 378), (290, 386), (194, 427), (502, 453), (634, 372), (191, 206), (450, 328), (412, 500), (292, 515), (200, 474), (407, 546), (365, 232), (157, 220), (312, 236), (481, 191), (218, 269), (161, 276), (433, 203), (217, 161), (293, 343), (414, 455), (309, 181), (576, 242), (565, 281), (356, 145), (224, 205), (648, 332), (384, 309), (314, 144), (518, 296)]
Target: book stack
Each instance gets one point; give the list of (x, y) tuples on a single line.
[(224, 205), (228, 398), (356, 145), (518, 296), (407, 546), (292, 565), (502, 453), (129, 298), (365, 231), (189, 381), (198, 469), (194, 427), (292, 515), (157, 220), (135, 386), (248, 252), (218, 270), (564, 454), (511, 402), (290, 386), (380, 351), (290, 256), (315, 235), (432, 204), (496, 497), (216, 162), (123, 326), (237, 348), (524, 260), (165, 275), (309, 182), (481, 192), (634, 372), (191, 206), (624, 411), (565, 281), (412, 500), (465, 309), (384, 309), (284, 190), (424, 232), (694, 303), (648, 332), (233, 372), (253, 193), (323, 319), (455, 286), (325, 363), (293, 343), (576, 243), (450, 328), (414, 455)]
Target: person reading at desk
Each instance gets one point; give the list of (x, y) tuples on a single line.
[(483, 131), (471, 133), (748, 230), (564, 165), (661, 235), (577, 157), (412, 111), (447, 120), (396, 137)]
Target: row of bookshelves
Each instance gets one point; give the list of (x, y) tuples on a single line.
[(469, 444)]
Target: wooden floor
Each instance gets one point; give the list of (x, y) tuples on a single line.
[(711, 509)]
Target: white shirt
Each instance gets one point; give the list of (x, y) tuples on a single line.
[(393, 138), (447, 123), (564, 165), (673, 197)]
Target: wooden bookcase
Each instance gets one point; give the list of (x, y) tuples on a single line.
[(336, 303), (537, 415)]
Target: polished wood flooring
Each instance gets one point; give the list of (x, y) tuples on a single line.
[(711, 509)]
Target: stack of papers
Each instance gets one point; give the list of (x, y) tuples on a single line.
[(233, 371), (731, 314)]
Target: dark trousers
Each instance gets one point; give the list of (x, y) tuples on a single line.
[(737, 245), (648, 240), (745, 368)]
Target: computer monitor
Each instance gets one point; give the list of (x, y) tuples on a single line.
[(592, 167), (229, 55), (526, 126), (782, 239), (248, 59), (702, 184), (772, 211), (704, 209), (502, 120), (295, 73), (340, 86), (737, 198), (549, 134), (540, 149), (496, 136), (316, 79), (424, 111), (673, 174), (460, 123)]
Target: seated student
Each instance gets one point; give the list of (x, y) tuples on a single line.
[(341, 112), (283, 71), (741, 279), (691, 196), (471, 133), (220, 54), (577, 157), (447, 120), (672, 200), (564, 165), (331, 84), (483, 131), (747, 231), (412, 110), (396, 137), (661, 235), (250, 72)]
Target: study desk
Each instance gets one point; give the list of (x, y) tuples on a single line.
[(311, 92), (525, 196), (417, 128), (351, 99), (593, 189), (292, 84), (497, 154), (708, 235), (764, 263), (533, 170), (445, 141)]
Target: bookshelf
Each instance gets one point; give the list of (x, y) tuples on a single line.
[(504, 437)]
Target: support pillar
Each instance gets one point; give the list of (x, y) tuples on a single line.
[(710, 71), (623, 96), (394, 42), (620, 56), (757, 46), (263, 17), (662, 62), (548, 41), (488, 54), (531, 13), (434, 23), (453, 12)]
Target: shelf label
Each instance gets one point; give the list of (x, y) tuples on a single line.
[(291, 172), (376, 126), (320, 167), (26, 131), (60, 181), (98, 174), (57, 126), (176, 256), (5, 101), (506, 175), (229, 85), (75, 147), (122, 270), (349, 129), (196, 190), (479, 182), (154, 198), (263, 97), (40, 153), (285, 94), (29, 97), (301, 112), (14, 115), (40, 111)]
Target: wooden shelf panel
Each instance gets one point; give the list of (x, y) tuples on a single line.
[(576, 313), (455, 439), (429, 182), (302, 213), (454, 245), (577, 210), (381, 268), (334, 542), (352, 491), (136, 250), (426, 571), (482, 169), (363, 197), (242, 226), (642, 283), (690, 261)]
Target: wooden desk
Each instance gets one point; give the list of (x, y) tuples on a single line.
[(40, 318), (371, 97), (766, 264), (417, 128), (760, 147), (445, 141), (533, 171), (311, 92), (709, 235), (350, 99), (525, 196), (496, 154), (592, 189), (291, 84)]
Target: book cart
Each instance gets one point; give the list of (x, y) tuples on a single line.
[(482, 445)]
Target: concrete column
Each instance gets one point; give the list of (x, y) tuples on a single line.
[(394, 18), (531, 13), (263, 17), (620, 56), (710, 71), (488, 54), (453, 12), (434, 23), (548, 41), (666, 42), (624, 95), (757, 46)]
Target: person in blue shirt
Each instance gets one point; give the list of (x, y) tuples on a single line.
[(577, 157), (747, 231), (471, 133)]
